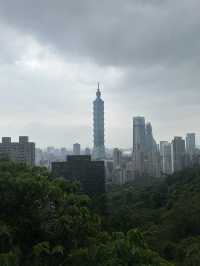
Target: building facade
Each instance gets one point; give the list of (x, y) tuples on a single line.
[(139, 144), (150, 143), (22, 151), (117, 158), (190, 143), (167, 159), (76, 149), (139, 133), (178, 154), (98, 127), (90, 174)]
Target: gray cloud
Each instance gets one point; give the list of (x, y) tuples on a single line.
[(145, 52), (112, 32)]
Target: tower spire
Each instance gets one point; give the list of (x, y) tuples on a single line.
[(98, 90)]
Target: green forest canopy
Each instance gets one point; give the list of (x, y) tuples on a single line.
[(45, 221), (167, 211)]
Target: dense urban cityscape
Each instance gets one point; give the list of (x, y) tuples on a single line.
[(146, 158), (99, 173)]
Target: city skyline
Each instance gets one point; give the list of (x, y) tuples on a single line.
[(98, 122), (50, 65)]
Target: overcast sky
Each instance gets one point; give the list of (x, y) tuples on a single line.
[(145, 53)]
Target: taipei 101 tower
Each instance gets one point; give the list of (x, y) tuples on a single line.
[(98, 120)]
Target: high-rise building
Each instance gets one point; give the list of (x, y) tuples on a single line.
[(190, 143), (98, 120), (150, 143), (76, 149), (178, 154), (90, 174), (167, 158), (139, 133), (139, 144), (152, 155), (152, 164), (162, 145), (22, 151), (117, 158), (161, 148), (109, 170)]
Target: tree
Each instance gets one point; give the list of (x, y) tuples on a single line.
[(48, 222)]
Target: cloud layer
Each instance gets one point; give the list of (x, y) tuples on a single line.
[(145, 53)]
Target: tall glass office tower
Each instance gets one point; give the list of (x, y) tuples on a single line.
[(138, 133), (139, 144), (98, 124)]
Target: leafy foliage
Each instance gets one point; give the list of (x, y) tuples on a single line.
[(167, 211), (47, 222)]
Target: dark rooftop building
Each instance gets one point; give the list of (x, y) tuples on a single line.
[(90, 174)]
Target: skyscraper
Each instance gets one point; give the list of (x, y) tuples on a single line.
[(178, 154), (138, 133), (190, 143), (166, 158), (161, 148), (98, 124), (117, 158), (150, 144), (139, 144)]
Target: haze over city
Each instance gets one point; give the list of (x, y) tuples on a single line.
[(144, 53)]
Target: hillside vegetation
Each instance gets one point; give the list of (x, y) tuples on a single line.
[(167, 211), (48, 222)]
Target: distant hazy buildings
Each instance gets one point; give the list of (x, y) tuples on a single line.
[(117, 158), (22, 151), (190, 143), (76, 149), (152, 155), (120, 168), (146, 157), (119, 171), (109, 170), (44, 157), (166, 157), (153, 164), (98, 124), (90, 174), (139, 133), (161, 148), (139, 143), (178, 154), (150, 143)]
